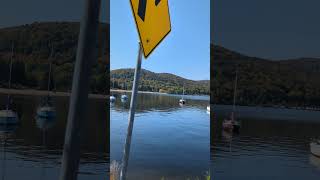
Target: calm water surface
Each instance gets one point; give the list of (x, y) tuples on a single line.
[(272, 144), (168, 140), (33, 149)]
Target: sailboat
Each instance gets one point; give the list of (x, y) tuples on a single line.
[(182, 101), (112, 97), (47, 111), (8, 116), (232, 124)]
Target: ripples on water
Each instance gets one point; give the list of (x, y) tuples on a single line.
[(30, 152), (168, 140), (266, 147)]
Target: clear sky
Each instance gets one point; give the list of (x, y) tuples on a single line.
[(276, 29), (185, 51), (19, 12)]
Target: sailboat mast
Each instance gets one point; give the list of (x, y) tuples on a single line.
[(113, 81), (11, 62), (183, 92), (50, 69), (10, 76), (235, 90)]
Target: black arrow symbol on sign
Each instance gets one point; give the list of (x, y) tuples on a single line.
[(142, 8)]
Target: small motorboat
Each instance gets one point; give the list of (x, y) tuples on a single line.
[(315, 148), (112, 98), (8, 117), (208, 109)]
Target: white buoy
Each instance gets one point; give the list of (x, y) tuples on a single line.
[(124, 98), (112, 98), (182, 101)]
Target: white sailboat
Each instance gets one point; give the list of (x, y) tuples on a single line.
[(8, 116), (47, 111), (182, 101)]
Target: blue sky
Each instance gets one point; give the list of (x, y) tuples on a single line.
[(185, 51), (268, 28), (17, 12)]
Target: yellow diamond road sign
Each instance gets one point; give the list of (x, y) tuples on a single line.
[(153, 22)]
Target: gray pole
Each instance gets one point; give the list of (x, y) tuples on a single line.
[(50, 68), (86, 54), (10, 76), (126, 151)]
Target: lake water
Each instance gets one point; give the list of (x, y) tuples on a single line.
[(272, 144), (169, 140), (33, 149)]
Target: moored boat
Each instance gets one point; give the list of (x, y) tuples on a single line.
[(315, 148), (46, 112), (182, 101), (8, 117)]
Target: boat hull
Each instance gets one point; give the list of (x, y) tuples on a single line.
[(8, 117), (46, 112), (315, 149)]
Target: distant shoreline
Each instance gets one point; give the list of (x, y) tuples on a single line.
[(33, 92), (129, 91), (150, 92)]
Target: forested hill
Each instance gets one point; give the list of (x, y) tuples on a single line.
[(289, 82), (32, 46), (157, 82)]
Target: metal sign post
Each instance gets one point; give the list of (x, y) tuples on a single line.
[(86, 53), (134, 93), (152, 28)]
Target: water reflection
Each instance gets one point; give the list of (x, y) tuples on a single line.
[(164, 136), (280, 143), (45, 119), (6, 130), (38, 139), (315, 161), (46, 116), (159, 102)]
